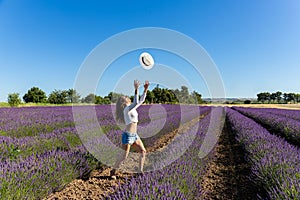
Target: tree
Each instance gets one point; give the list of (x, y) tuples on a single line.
[(14, 99), (58, 97), (98, 99), (101, 100), (35, 95), (150, 97), (165, 96), (89, 98), (172, 96), (278, 96), (159, 95), (176, 93), (73, 96), (247, 101), (264, 96), (297, 97), (273, 97), (291, 97), (113, 96), (197, 97), (268, 96), (157, 92), (288, 97), (285, 97), (184, 94)]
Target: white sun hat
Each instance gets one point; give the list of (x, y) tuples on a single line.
[(146, 60)]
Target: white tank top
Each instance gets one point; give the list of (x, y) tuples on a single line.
[(130, 113)]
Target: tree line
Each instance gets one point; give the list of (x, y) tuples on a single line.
[(157, 95), (278, 97)]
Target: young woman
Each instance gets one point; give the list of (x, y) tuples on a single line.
[(126, 113)]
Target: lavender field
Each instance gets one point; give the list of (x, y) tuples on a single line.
[(41, 150)]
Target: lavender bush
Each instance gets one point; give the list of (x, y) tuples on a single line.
[(286, 127), (275, 163), (293, 114), (39, 174)]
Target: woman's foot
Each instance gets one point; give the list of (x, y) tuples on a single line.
[(141, 172), (113, 174)]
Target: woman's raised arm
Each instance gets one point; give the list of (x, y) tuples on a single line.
[(136, 101)]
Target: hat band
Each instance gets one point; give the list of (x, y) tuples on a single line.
[(145, 63)]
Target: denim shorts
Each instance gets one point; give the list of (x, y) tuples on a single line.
[(129, 138)]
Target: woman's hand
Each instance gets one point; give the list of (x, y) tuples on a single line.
[(146, 85), (136, 84)]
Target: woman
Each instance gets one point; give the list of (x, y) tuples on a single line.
[(126, 113)]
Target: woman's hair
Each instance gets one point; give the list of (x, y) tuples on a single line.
[(121, 104)]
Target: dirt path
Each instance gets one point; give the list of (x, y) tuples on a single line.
[(227, 174), (99, 184)]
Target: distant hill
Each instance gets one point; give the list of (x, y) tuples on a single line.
[(222, 100)]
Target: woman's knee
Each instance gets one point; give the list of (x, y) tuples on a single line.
[(143, 152)]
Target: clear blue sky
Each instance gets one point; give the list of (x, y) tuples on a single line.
[(255, 44)]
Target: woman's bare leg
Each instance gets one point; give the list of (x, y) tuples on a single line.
[(141, 149), (122, 157)]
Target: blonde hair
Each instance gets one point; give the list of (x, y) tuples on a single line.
[(121, 104)]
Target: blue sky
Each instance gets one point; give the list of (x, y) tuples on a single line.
[(254, 44)]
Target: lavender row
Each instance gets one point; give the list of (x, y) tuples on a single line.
[(14, 148), (31, 121), (179, 179), (40, 174), (285, 127), (172, 122), (293, 114), (275, 162)]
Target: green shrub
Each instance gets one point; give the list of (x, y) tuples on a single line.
[(14, 99)]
